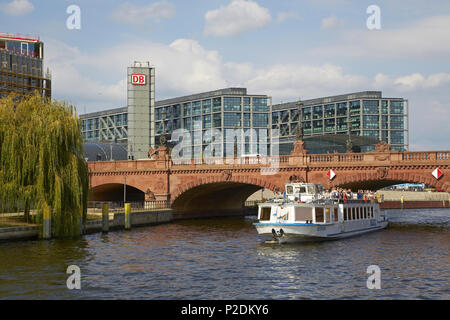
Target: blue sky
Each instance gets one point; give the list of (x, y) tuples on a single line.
[(286, 49)]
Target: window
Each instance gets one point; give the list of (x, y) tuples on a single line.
[(355, 107), (329, 110), (275, 117), (206, 104), (317, 112), (260, 105), (231, 104), (294, 115), (196, 107), (284, 116), (197, 122), (329, 125), (397, 122), (336, 214), (246, 104), (217, 120), (370, 107), (247, 120), (260, 120), (341, 124), (187, 123), (207, 121), (317, 126), (341, 109), (397, 137), (187, 109), (319, 215), (397, 107), (371, 122), (232, 119), (384, 106), (306, 114), (217, 104)]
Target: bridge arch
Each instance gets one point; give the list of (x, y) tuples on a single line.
[(115, 192), (219, 195), (377, 180)]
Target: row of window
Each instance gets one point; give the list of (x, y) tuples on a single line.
[(108, 121), (207, 121), (207, 106), (340, 110), (95, 135)]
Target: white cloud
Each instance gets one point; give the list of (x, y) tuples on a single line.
[(128, 13), (429, 37), (331, 22), (237, 17), (17, 7), (283, 16)]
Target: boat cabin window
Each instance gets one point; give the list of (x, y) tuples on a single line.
[(365, 212), (303, 214), (311, 190), (319, 215), (265, 214), (371, 212), (301, 190), (336, 214), (290, 190), (328, 215)]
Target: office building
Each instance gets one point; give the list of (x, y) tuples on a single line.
[(366, 117), (21, 65)]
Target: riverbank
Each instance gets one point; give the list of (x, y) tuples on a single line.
[(116, 222)]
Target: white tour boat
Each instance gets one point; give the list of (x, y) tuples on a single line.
[(305, 214)]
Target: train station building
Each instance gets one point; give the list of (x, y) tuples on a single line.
[(355, 121)]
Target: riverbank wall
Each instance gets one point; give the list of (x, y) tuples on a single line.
[(414, 204), (138, 219)]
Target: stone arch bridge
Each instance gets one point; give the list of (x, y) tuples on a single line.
[(198, 188)]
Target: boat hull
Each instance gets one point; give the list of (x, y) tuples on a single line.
[(291, 233)]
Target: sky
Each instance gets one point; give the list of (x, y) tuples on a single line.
[(286, 49)]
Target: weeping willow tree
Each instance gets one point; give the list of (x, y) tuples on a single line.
[(42, 164)]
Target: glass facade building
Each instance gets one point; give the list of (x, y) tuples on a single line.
[(366, 117), (363, 114), (224, 111), (21, 65)]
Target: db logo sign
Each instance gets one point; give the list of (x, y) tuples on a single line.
[(139, 79)]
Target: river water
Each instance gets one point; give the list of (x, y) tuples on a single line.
[(226, 259)]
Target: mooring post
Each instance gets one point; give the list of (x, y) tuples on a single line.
[(47, 224), (105, 217), (127, 216)]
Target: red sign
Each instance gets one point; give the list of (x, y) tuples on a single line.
[(437, 173), (139, 79), (331, 174)]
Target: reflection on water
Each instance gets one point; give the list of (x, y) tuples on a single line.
[(226, 259)]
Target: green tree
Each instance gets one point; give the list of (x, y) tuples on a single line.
[(42, 162)]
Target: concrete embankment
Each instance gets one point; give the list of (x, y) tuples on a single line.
[(414, 199), (138, 219), (414, 204), (414, 195)]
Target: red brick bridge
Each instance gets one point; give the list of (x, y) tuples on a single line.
[(200, 187)]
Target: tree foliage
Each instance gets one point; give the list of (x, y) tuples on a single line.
[(42, 162)]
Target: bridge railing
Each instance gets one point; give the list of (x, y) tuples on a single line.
[(118, 206), (427, 155), (267, 160)]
